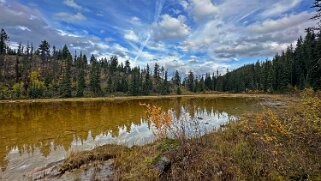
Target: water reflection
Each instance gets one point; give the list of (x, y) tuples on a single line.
[(32, 135)]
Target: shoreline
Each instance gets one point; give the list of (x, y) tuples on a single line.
[(125, 98)]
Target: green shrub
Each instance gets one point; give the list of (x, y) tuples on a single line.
[(37, 87), (18, 89)]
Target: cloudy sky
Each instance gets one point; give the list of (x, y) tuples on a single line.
[(198, 35)]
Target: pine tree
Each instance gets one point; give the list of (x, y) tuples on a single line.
[(190, 81), (165, 85), (81, 77), (148, 85), (208, 82), (127, 67), (201, 87), (135, 81), (113, 64), (65, 52), (156, 72), (3, 42), (177, 78), (44, 49), (95, 76), (65, 88)]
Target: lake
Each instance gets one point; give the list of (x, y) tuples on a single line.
[(35, 134)]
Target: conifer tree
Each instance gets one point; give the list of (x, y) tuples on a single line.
[(190, 81), (3, 42), (177, 78), (95, 76), (165, 85), (65, 88), (148, 85), (81, 77), (44, 50)]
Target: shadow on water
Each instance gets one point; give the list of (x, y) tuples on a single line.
[(35, 134)]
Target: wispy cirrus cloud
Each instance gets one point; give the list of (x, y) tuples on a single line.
[(67, 17), (72, 4)]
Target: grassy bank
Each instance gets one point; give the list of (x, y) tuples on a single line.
[(283, 144), (120, 98)]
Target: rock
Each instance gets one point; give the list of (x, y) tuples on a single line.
[(163, 164), (273, 103), (95, 170), (49, 171), (92, 171)]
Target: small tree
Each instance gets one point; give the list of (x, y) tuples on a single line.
[(178, 90), (37, 87), (18, 89)]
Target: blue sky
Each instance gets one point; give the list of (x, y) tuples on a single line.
[(198, 35)]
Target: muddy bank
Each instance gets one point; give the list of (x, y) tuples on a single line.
[(94, 170), (124, 98), (89, 165)]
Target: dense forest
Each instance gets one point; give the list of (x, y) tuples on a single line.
[(47, 72)]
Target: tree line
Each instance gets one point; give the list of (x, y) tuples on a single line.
[(48, 72)]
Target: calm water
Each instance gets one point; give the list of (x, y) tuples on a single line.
[(33, 135)]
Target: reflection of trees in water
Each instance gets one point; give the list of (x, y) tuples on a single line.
[(38, 125)]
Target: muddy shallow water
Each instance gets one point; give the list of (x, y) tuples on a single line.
[(35, 134)]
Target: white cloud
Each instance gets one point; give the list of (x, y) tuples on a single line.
[(200, 9), (280, 24), (23, 28), (64, 33), (135, 19), (280, 7), (275, 46), (72, 4), (62, 16), (131, 36), (170, 28)]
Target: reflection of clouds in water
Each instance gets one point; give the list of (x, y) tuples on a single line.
[(22, 161), (200, 123)]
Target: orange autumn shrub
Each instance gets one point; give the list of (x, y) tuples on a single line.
[(161, 119)]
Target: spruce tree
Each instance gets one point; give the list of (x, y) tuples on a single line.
[(80, 77), (165, 86), (177, 78), (44, 49), (3, 42), (65, 88), (190, 81), (148, 85), (95, 76)]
